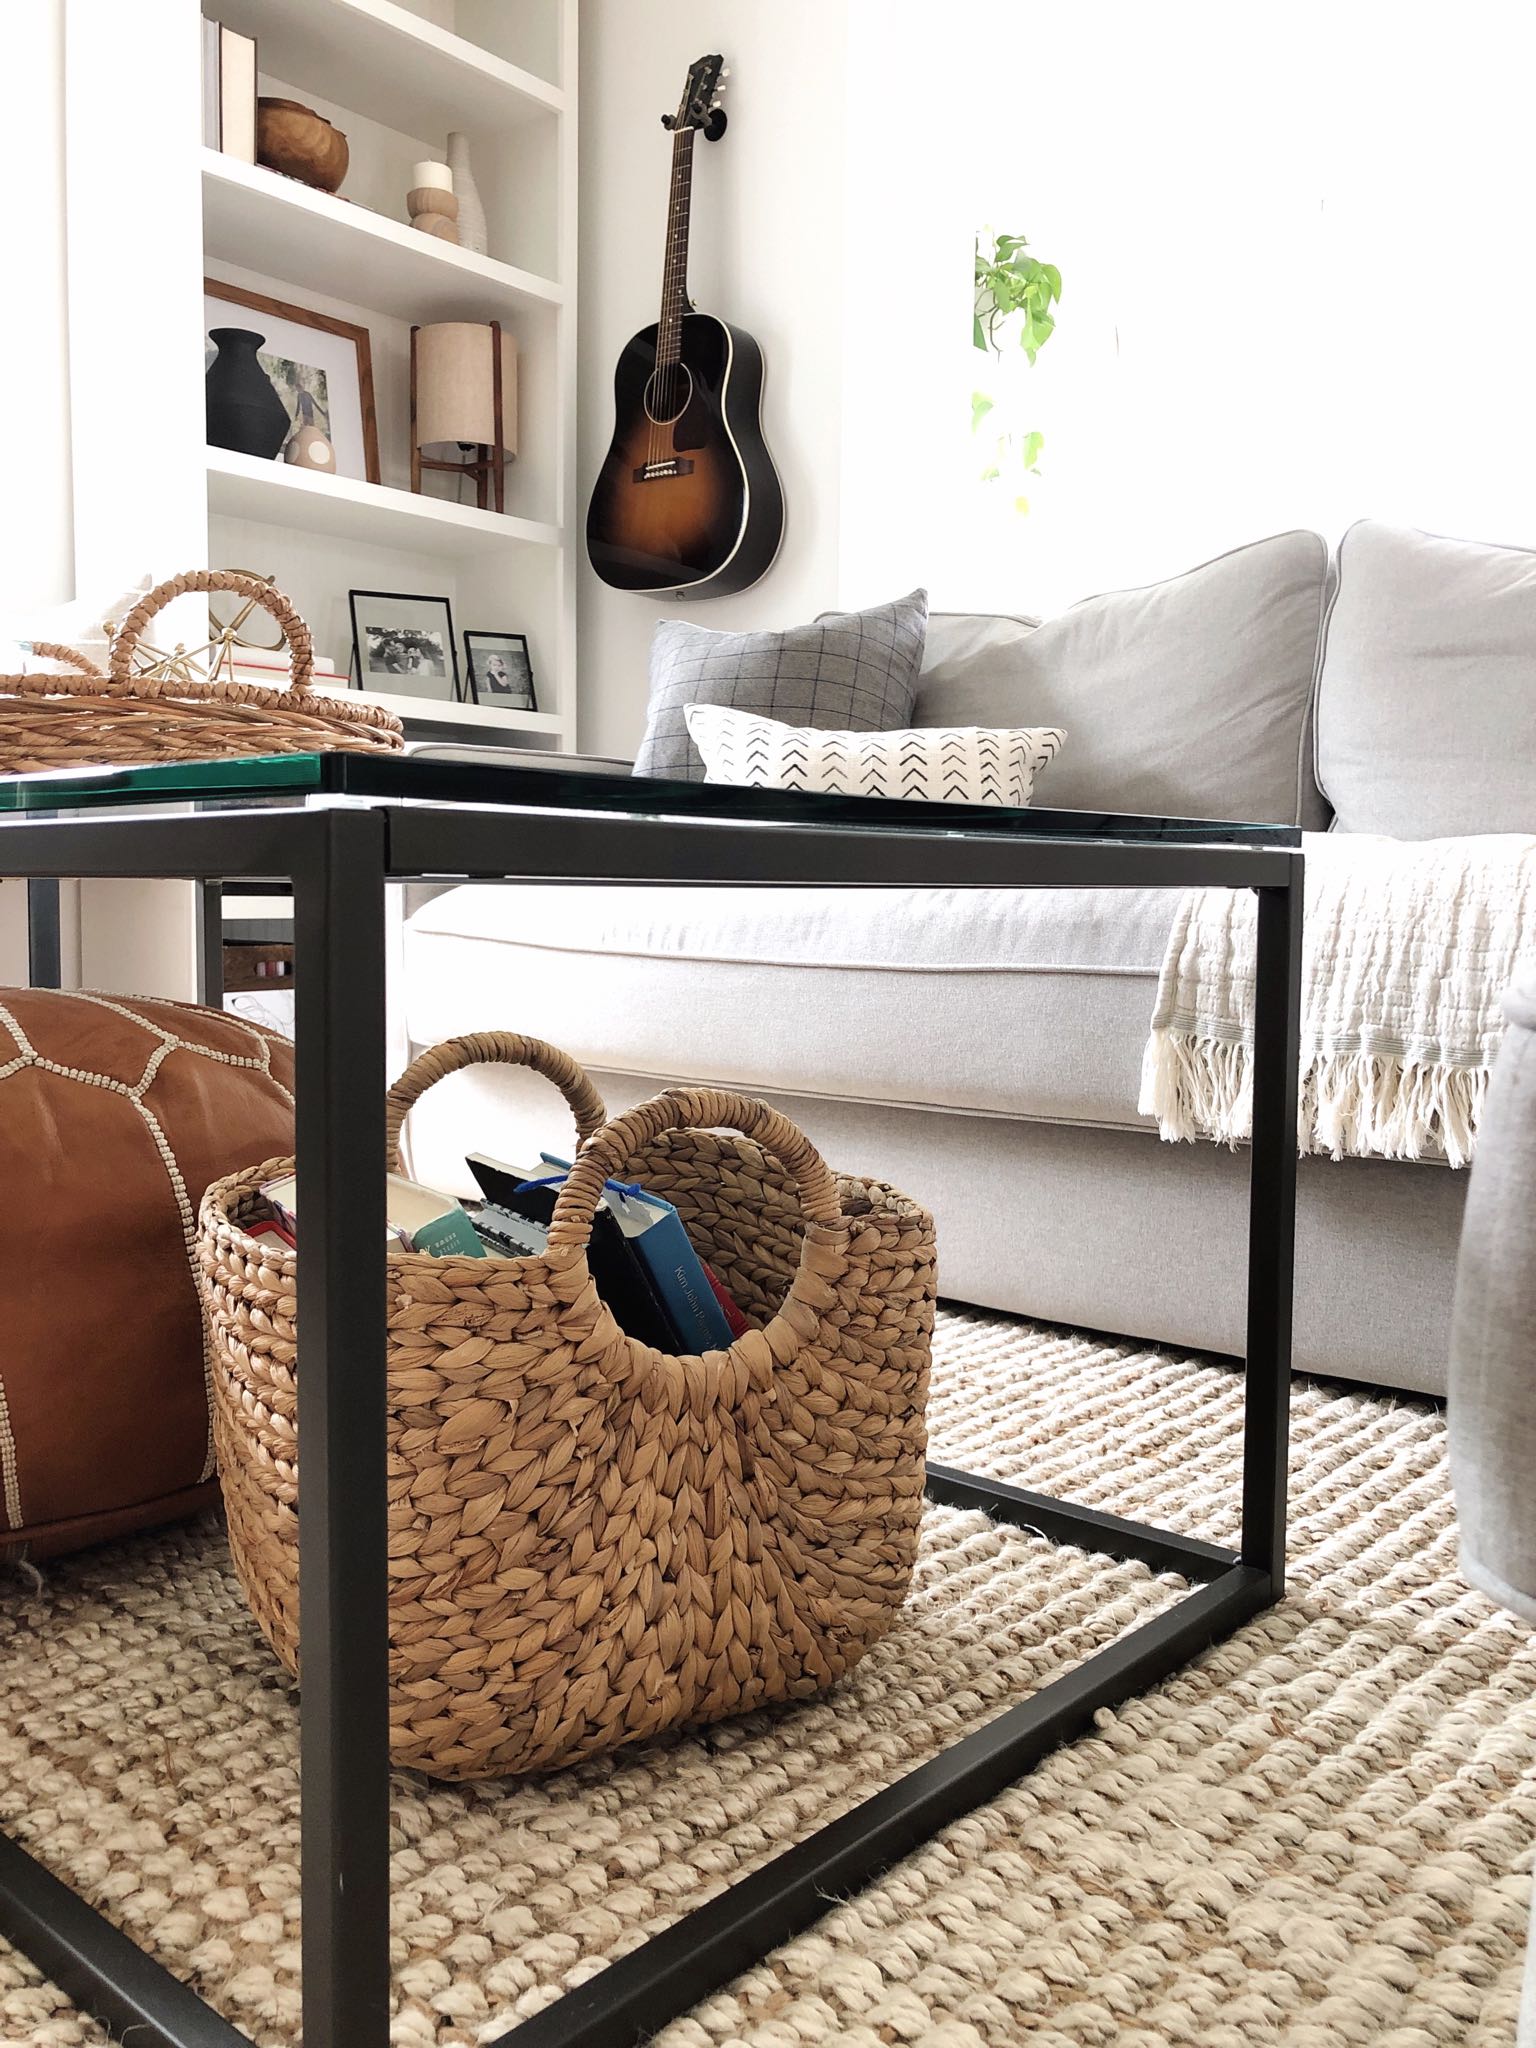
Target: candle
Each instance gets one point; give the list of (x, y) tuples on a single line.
[(438, 176)]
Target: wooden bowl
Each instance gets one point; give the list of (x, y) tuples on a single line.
[(300, 143)]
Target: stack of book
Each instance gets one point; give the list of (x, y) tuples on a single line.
[(640, 1256), (641, 1259), (256, 665)]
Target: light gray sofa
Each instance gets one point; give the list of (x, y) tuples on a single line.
[(983, 1050)]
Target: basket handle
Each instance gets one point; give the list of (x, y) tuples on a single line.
[(301, 648), (688, 1109), (491, 1049), (82, 664)]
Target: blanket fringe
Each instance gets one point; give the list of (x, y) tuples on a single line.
[(1349, 1104)]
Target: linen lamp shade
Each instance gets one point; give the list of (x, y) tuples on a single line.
[(456, 388)]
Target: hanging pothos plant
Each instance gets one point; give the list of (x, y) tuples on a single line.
[(1014, 297)]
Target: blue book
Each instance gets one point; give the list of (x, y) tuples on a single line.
[(655, 1230)]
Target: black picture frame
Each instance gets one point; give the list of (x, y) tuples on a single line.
[(412, 629), (484, 685)]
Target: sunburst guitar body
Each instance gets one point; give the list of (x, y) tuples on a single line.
[(687, 502)]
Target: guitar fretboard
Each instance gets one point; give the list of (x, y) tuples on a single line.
[(674, 269)]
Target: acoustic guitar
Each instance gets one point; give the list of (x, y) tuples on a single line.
[(687, 501)]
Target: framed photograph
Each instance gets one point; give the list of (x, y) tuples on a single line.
[(321, 368), (499, 670), (404, 645)]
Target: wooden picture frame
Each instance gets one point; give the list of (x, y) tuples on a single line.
[(323, 323), (511, 686)]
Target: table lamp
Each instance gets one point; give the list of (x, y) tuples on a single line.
[(464, 398)]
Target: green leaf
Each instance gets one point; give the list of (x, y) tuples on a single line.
[(978, 336), (981, 405), (1033, 443), (1021, 506), (991, 475)]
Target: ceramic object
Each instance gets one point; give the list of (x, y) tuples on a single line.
[(431, 203), (302, 144), (471, 212), (244, 410), (309, 449)]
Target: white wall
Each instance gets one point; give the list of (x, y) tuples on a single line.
[(37, 561), (1293, 241), (767, 254), (37, 555)]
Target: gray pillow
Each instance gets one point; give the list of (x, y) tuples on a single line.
[(1426, 700), (1189, 698), (849, 671)]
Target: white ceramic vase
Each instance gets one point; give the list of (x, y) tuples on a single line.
[(471, 212)]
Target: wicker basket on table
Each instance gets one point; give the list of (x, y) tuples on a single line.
[(591, 1541), (129, 720)]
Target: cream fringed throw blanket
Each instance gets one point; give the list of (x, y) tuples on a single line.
[(1408, 949)]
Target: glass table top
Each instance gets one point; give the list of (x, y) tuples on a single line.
[(565, 782)]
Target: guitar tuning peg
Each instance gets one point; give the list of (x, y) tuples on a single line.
[(726, 72)]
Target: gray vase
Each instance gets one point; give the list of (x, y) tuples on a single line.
[(471, 212)]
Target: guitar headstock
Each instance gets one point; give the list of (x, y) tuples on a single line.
[(699, 106)]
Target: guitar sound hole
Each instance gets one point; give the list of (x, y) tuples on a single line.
[(667, 393)]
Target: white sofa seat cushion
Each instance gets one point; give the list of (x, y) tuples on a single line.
[(997, 1002)]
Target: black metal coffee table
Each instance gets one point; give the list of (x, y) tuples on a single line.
[(341, 827)]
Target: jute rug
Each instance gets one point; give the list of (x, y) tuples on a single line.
[(1320, 1836)]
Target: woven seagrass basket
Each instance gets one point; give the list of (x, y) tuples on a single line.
[(128, 720), (590, 1541)]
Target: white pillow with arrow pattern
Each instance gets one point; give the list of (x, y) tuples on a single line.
[(946, 764)]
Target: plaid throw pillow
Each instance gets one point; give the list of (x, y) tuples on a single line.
[(856, 671)]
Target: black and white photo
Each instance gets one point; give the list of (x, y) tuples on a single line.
[(500, 670), (404, 645)]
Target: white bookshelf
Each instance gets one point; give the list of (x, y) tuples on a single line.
[(153, 213)]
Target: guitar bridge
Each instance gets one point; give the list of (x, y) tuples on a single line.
[(653, 472)]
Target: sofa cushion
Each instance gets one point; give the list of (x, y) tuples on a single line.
[(1032, 1003), (1426, 704), (854, 670), (1189, 698)]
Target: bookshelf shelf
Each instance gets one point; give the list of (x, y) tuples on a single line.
[(391, 64), (273, 494), (318, 243), (489, 720)]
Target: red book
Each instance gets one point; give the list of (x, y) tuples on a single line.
[(733, 1315)]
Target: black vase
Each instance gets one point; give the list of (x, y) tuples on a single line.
[(244, 410)]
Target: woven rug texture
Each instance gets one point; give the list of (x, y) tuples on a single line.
[(1319, 1836)]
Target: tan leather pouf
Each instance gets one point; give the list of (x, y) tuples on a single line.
[(115, 1114)]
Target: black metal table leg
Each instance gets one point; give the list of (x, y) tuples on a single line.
[(344, 1699), (210, 944), (44, 952), (1272, 1225)]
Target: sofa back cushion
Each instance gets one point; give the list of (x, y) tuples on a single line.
[(1426, 703), (1189, 698)]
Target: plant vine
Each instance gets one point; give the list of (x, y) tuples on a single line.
[(1015, 297)]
